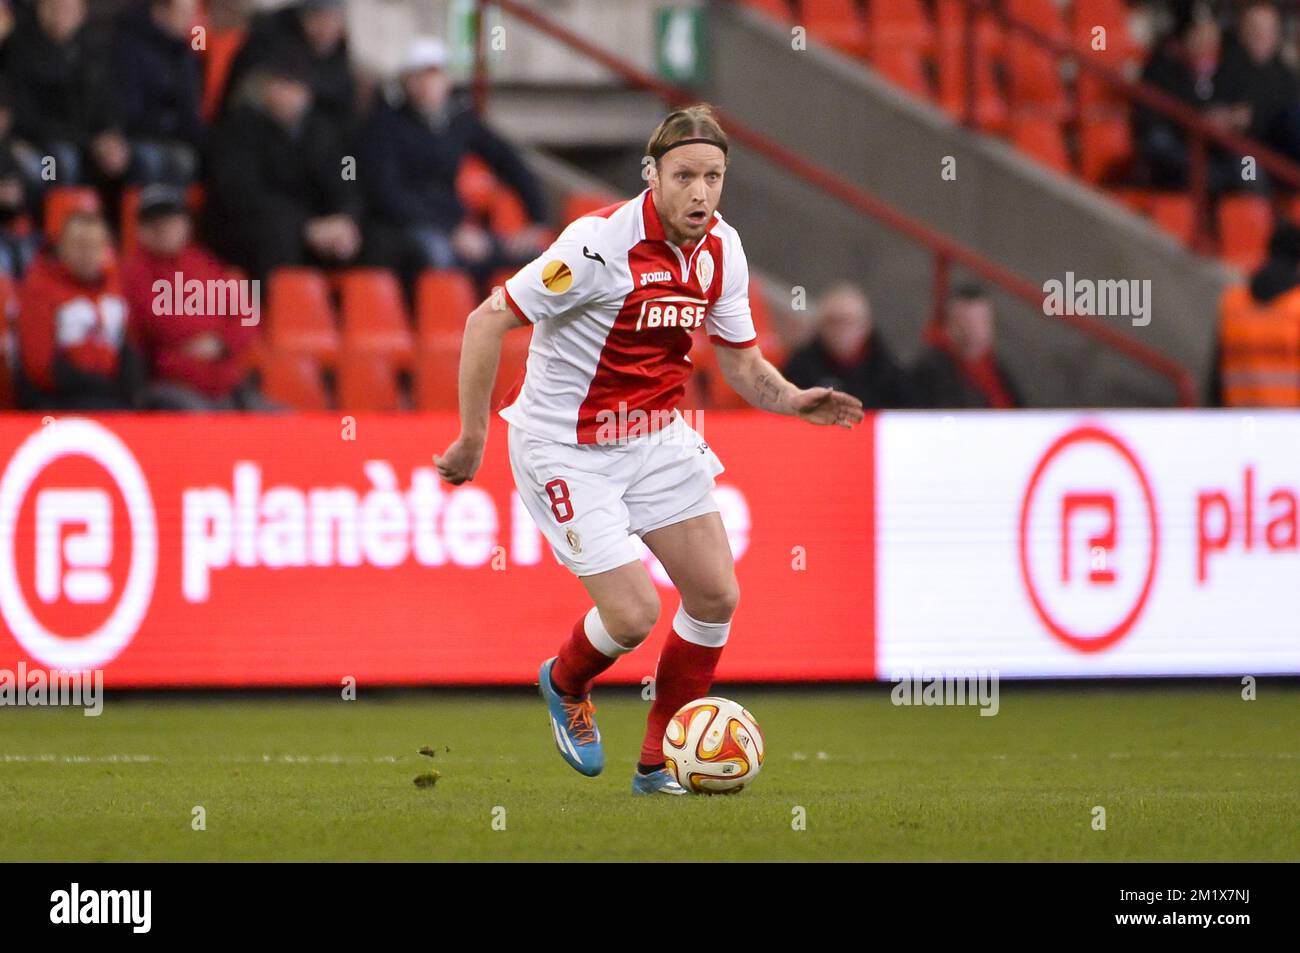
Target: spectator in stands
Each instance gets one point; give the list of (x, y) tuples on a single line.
[(412, 151), (1254, 76), (1184, 65), (20, 235), (278, 192), (317, 31), (194, 361), (63, 98), (159, 89), (73, 346), (1257, 363), (8, 20), (959, 369), (848, 353)]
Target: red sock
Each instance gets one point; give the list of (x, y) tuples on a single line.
[(579, 662), (685, 673)]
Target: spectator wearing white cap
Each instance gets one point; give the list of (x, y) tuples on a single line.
[(410, 152)]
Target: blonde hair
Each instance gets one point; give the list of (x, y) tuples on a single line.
[(698, 122)]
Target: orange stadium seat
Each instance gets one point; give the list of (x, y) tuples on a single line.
[(437, 370), (301, 315), (367, 383), (1105, 148), (1042, 139), (1139, 200), (1173, 213), (1245, 224), (839, 23), (476, 186), (436, 379), (443, 300), (990, 104), (374, 314), (578, 204), (899, 24), (904, 67), (1096, 94), (293, 380), (62, 200), (508, 215), (1033, 73)]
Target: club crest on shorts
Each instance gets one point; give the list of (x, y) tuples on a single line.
[(575, 543), (704, 269), (557, 277)]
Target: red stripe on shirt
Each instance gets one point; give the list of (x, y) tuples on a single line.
[(519, 312)]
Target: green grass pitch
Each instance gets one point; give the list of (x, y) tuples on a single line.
[(1184, 773)]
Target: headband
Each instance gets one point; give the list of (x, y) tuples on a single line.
[(687, 142)]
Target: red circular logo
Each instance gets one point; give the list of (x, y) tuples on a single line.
[(1105, 503)]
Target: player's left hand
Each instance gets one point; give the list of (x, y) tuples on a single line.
[(823, 405)]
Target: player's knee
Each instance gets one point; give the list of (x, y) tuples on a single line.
[(714, 604), (632, 622)]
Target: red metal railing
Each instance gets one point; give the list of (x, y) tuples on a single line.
[(1200, 131), (945, 250)]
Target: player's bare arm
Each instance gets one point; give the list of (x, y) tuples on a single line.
[(754, 378), (480, 354)]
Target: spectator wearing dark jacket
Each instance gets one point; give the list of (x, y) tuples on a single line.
[(73, 342), (195, 361), (158, 86), (20, 192), (1254, 76), (8, 21), (411, 153), (1184, 65), (317, 31), (63, 98), (849, 354), (959, 369), (278, 191)]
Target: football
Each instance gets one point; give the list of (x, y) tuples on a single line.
[(713, 746)]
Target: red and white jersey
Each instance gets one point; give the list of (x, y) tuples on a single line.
[(615, 306)]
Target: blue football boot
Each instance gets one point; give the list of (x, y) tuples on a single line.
[(576, 734), (656, 782)]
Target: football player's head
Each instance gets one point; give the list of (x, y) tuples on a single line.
[(686, 163)]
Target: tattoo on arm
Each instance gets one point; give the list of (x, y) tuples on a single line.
[(766, 390)]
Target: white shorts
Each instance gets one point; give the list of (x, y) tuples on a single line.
[(588, 498)]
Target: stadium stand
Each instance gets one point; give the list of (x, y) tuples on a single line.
[(1035, 81)]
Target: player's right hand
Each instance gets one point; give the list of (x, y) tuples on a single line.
[(460, 461)]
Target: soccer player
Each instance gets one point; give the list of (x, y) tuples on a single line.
[(597, 446)]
